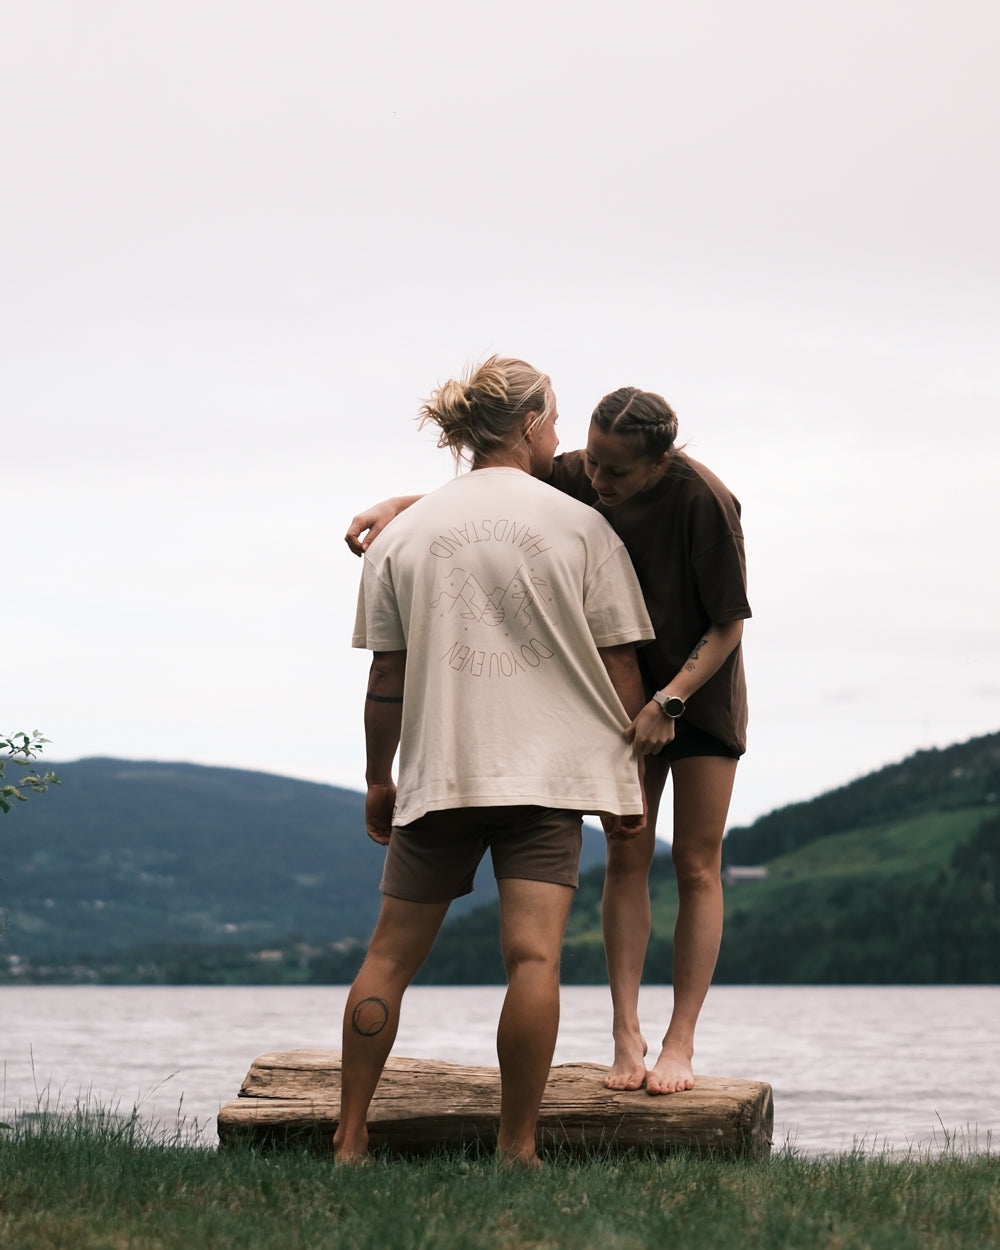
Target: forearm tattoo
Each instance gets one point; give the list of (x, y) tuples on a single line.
[(370, 1017), (384, 698), (692, 658)]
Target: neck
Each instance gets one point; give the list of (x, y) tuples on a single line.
[(505, 458)]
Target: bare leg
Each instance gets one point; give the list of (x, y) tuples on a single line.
[(702, 789), (625, 920), (401, 942), (532, 922)]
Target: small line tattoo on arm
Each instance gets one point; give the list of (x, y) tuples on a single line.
[(384, 698), (692, 658), (370, 1017)]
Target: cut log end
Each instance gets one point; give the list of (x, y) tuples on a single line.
[(426, 1105)]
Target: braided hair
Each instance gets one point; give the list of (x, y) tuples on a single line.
[(641, 414)]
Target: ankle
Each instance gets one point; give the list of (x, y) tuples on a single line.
[(682, 1047), (350, 1145), (519, 1157), (625, 1025)]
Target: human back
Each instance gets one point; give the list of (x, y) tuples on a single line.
[(502, 617), (503, 592)]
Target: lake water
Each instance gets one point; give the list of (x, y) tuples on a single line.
[(872, 1068)]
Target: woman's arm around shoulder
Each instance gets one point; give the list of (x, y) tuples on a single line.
[(372, 521)]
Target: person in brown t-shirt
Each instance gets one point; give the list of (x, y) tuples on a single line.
[(681, 527)]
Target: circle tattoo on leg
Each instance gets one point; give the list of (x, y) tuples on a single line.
[(370, 1016)]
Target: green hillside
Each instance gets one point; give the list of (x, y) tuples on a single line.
[(177, 873), (908, 894), (960, 776), (125, 855), (895, 903)]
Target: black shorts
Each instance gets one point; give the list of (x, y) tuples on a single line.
[(690, 742)]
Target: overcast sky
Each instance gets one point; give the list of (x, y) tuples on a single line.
[(240, 241)]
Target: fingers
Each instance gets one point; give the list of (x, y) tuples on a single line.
[(623, 827), (648, 746), (630, 827), (380, 802), (353, 537), (650, 732), (368, 524)]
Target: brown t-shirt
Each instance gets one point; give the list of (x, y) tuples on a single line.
[(686, 543)]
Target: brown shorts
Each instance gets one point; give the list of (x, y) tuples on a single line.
[(434, 859)]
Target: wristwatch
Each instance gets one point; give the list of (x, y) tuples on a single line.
[(670, 705)]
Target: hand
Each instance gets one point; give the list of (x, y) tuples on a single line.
[(362, 523), (650, 732), (371, 522), (380, 801), (621, 828)]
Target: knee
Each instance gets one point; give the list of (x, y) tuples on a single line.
[(521, 959), (697, 870)]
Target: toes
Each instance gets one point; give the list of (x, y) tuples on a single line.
[(655, 1085), (634, 1080)]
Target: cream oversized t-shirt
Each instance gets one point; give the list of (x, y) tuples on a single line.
[(501, 589)]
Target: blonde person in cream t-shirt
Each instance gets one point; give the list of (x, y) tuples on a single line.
[(502, 616)]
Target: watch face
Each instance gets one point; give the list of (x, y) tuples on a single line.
[(673, 706)]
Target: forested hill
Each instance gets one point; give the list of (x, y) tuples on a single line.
[(892, 879), (126, 854), (937, 780), (178, 873)]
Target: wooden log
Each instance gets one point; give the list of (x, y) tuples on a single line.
[(423, 1105)]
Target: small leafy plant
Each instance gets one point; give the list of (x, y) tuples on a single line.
[(21, 749)]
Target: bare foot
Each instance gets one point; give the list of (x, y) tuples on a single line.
[(516, 1159), (353, 1153), (346, 1159), (517, 1149), (351, 1158), (671, 1073), (629, 1068)]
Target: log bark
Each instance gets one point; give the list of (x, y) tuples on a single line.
[(423, 1105)]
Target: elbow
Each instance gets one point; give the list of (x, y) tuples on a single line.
[(730, 635), (387, 672)]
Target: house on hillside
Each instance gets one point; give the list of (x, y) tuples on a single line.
[(734, 875)]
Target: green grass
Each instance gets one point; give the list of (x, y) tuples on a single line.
[(99, 1180), (905, 846)]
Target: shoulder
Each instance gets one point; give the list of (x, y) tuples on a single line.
[(695, 480), (409, 525), (569, 475), (555, 490), (569, 522)]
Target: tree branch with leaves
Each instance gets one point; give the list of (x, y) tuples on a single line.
[(22, 749)]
